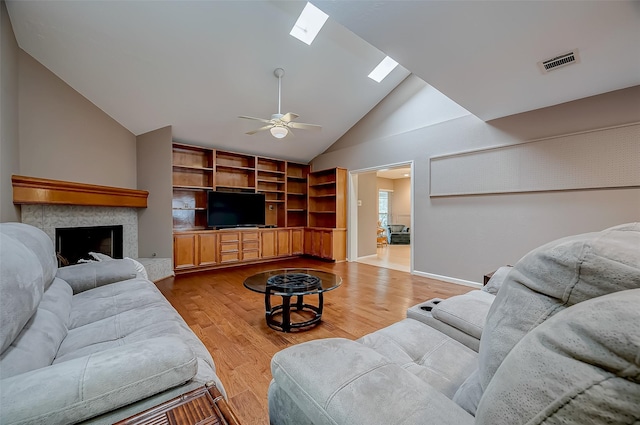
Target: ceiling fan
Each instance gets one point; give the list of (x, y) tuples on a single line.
[(280, 125)]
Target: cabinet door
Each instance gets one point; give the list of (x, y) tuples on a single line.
[(284, 242), (207, 249), (269, 243), (184, 251), (297, 238), (326, 250)]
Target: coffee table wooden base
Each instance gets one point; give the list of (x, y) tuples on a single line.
[(202, 406)]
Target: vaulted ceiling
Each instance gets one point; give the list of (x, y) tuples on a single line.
[(198, 65)]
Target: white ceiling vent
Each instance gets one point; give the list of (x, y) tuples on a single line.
[(559, 61)]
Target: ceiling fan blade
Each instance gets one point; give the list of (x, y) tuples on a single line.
[(303, 126), (266, 127), (254, 118), (289, 133), (289, 116)]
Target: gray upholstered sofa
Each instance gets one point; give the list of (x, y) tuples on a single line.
[(398, 234), (91, 342), (560, 345)]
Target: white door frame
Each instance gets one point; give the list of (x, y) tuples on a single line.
[(352, 208)]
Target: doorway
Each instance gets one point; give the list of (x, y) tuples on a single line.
[(381, 214)]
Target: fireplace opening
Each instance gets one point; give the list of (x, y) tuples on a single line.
[(75, 243)]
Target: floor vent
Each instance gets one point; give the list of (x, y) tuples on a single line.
[(559, 61)]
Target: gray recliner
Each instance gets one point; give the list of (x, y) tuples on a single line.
[(560, 345)]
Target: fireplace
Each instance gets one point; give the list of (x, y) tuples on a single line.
[(75, 243)]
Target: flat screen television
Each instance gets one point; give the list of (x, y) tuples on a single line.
[(235, 209)]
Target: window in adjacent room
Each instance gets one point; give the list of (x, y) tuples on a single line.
[(384, 207)]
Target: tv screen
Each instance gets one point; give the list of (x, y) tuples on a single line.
[(234, 209)]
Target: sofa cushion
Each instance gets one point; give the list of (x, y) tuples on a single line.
[(36, 346), (338, 381), (495, 283), (124, 313), (21, 287), (424, 352), (113, 299), (547, 280), (83, 277), (79, 389), (580, 366), (37, 242), (466, 312)]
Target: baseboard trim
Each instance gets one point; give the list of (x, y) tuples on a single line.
[(448, 279)]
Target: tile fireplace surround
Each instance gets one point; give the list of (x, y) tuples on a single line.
[(52, 217), (51, 204)]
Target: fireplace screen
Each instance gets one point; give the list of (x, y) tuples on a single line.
[(75, 243)]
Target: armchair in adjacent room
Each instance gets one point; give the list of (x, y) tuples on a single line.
[(398, 234)]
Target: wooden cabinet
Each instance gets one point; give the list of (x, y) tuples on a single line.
[(327, 198), (329, 244), (229, 247), (296, 204), (297, 241), (295, 198), (250, 245), (184, 251), (327, 194), (207, 249), (269, 243), (284, 242)]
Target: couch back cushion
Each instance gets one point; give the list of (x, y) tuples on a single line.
[(546, 281), (37, 344), (580, 366), (27, 267)]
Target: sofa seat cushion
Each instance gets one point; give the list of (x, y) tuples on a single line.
[(124, 313), (338, 381), (580, 366), (424, 352), (81, 388), (36, 346)]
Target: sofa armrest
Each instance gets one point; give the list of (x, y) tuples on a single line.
[(78, 389), (85, 276), (338, 381)]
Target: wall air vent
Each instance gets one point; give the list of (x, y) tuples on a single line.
[(559, 61)]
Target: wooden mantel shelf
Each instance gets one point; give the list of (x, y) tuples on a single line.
[(33, 190)]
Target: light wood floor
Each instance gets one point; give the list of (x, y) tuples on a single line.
[(397, 257), (229, 319)]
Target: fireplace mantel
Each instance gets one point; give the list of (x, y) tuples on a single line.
[(33, 190)]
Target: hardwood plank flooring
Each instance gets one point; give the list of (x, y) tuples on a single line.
[(230, 320)]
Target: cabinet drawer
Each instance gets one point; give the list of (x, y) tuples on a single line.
[(249, 236), (229, 237), (229, 246), (250, 255), (250, 245), (229, 257)]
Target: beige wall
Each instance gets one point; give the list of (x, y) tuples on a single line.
[(9, 144), (386, 184), (367, 213), (155, 223), (466, 237), (64, 136)]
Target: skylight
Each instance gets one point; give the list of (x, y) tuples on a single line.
[(383, 69), (309, 24)]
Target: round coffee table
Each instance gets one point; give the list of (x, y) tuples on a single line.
[(288, 283)]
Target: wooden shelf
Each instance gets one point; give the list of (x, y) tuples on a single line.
[(192, 187)]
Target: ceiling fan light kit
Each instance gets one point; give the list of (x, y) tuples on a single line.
[(279, 132), (280, 125)]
